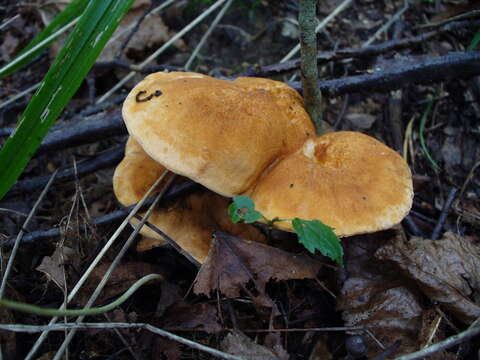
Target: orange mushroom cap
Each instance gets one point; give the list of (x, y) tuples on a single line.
[(347, 180), (222, 134)]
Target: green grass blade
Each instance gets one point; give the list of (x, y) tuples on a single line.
[(474, 43), (83, 46), (421, 131), (31, 51)]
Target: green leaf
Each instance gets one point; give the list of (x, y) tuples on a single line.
[(79, 53), (315, 235), (243, 208), (24, 57)]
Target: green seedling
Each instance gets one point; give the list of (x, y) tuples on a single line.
[(312, 234), (37, 310)]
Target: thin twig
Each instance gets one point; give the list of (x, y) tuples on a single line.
[(164, 47), (35, 237), (93, 264), (402, 71), (109, 158), (359, 53), (20, 95), (320, 26), (389, 23), (148, 327), (22, 231), (444, 213), (472, 331), (9, 21), (205, 36), (45, 41), (117, 260)]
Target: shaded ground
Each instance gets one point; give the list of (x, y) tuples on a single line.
[(405, 290)]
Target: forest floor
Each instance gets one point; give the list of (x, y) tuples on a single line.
[(403, 72)]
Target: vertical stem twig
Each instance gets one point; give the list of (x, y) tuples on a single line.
[(308, 44)]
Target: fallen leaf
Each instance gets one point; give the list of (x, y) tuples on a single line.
[(120, 281), (54, 266), (237, 343), (233, 262), (151, 32), (446, 270), (191, 316), (374, 294)]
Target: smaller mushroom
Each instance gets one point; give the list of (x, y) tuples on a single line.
[(348, 180), (191, 223), (135, 174)]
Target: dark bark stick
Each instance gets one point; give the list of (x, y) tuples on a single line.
[(84, 131), (397, 73), (173, 193), (107, 159), (359, 53)]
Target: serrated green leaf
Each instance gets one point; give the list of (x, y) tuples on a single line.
[(26, 55), (315, 235), (243, 208), (64, 77)]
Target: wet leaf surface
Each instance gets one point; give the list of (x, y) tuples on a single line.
[(446, 270), (374, 294), (233, 262), (237, 343)]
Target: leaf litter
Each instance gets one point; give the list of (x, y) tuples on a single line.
[(447, 271), (233, 262)]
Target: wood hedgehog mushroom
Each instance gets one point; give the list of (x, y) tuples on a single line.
[(348, 180), (253, 137), (190, 221), (221, 134)]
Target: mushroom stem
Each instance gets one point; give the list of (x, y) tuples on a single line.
[(309, 70)]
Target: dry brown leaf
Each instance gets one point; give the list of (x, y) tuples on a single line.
[(151, 32), (120, 281), (54, 266), (237, 343), (191, 316), (374, 294), (446, 270), (233, 262)]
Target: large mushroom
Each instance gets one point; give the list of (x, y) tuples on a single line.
[(222, 134), (347, 180), (252, 136)]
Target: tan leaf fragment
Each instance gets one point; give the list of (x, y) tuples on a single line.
[(446, 270), (233, 262), (237, 343), (54, 266)]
